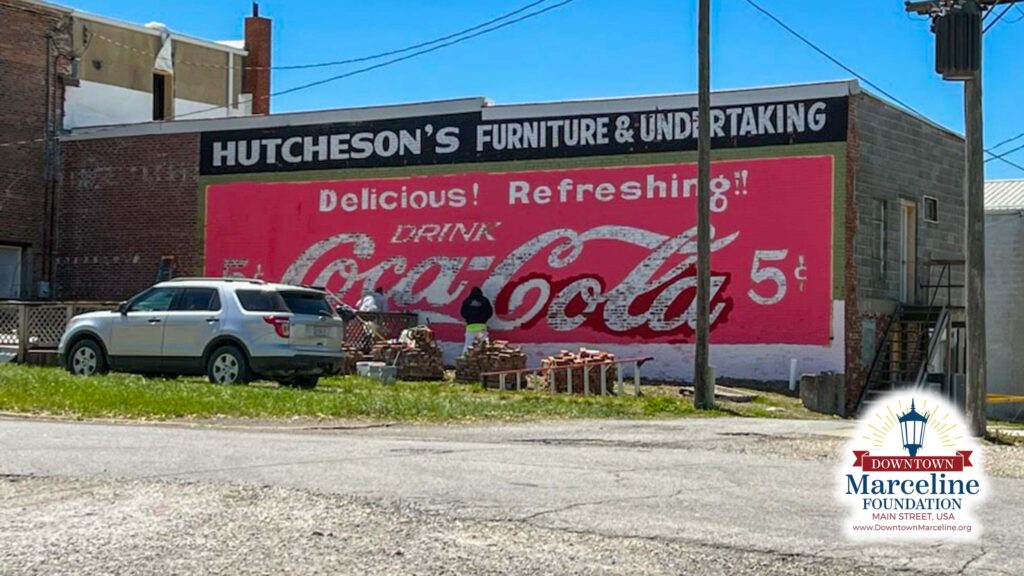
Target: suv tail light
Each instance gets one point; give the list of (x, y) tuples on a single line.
[(282, 325)]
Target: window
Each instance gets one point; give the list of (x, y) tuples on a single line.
[(312, 303), (10, 272), (198, 299), (153, 300), (163, 97), (261, 301), (931, 209)]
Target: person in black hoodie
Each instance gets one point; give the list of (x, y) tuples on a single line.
[(476, 311)]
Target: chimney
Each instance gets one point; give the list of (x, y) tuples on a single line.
[(256, 76)]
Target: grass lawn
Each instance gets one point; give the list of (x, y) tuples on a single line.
[(53, 391)]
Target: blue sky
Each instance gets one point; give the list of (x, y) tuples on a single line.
[(596, 48)]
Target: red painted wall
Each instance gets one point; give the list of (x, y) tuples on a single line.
[(596, 255)]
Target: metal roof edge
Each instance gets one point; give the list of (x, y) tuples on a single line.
[(488, 110), (738, 96), (433, 108)]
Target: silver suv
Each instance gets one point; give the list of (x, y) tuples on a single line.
[(232, 330)]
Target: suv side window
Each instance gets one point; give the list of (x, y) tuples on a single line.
[(153, 300), (197, 299), (261, 301), (305, 302)]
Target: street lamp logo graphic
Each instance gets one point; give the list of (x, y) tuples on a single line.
[(898, 487), (912, 424)]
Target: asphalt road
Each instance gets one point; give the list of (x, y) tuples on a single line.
[(716, 496)]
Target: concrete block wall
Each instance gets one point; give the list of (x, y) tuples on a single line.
[(903, 157), (124, 204), (895, 156)]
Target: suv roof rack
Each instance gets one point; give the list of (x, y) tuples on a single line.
[(216, 279)]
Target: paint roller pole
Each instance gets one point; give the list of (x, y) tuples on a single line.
[(703, 380)]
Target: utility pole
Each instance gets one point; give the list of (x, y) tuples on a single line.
[(959, 40), (703, 380), (977, 388)]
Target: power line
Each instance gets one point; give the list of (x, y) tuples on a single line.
[(354, 72), (1007, 153), (399, 59), (413, 47), (1019, 18), (426, 51), (832, 59), (857, 75), (1008, 140), (998, 18), (377, 56)]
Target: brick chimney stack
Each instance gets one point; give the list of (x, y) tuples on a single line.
[(256, 76)]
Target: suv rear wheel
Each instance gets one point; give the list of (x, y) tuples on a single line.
[(228, 365), (86, 358)]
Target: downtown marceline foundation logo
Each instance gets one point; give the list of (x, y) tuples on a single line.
[(912, 472)]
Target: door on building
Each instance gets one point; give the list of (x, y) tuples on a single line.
[(10, 272), (908, 251)]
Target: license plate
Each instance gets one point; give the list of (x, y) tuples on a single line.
[(321, 331)]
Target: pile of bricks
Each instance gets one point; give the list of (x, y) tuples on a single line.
[(493, 356), (418, 359), (559, 366), (352, 356)]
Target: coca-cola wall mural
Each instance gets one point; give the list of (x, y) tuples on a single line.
[(578, 255), (601, 252)]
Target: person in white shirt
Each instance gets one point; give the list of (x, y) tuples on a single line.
[(373, 301)]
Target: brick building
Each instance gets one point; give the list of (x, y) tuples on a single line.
[(61, 69), (576, 218), (30, 36)]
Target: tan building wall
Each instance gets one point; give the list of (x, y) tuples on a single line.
[(115, 57)]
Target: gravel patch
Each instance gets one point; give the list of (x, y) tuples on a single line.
[(58, 526)]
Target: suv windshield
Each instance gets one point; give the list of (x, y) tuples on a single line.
[(303, 302), (261, 301)]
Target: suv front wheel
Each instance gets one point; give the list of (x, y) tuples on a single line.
[(86, 358), (228, 365)]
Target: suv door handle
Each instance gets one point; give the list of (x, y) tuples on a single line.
[(154, 320), (212, 320)]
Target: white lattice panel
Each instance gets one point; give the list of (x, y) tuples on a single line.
[(46, 325), (8, 325)]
